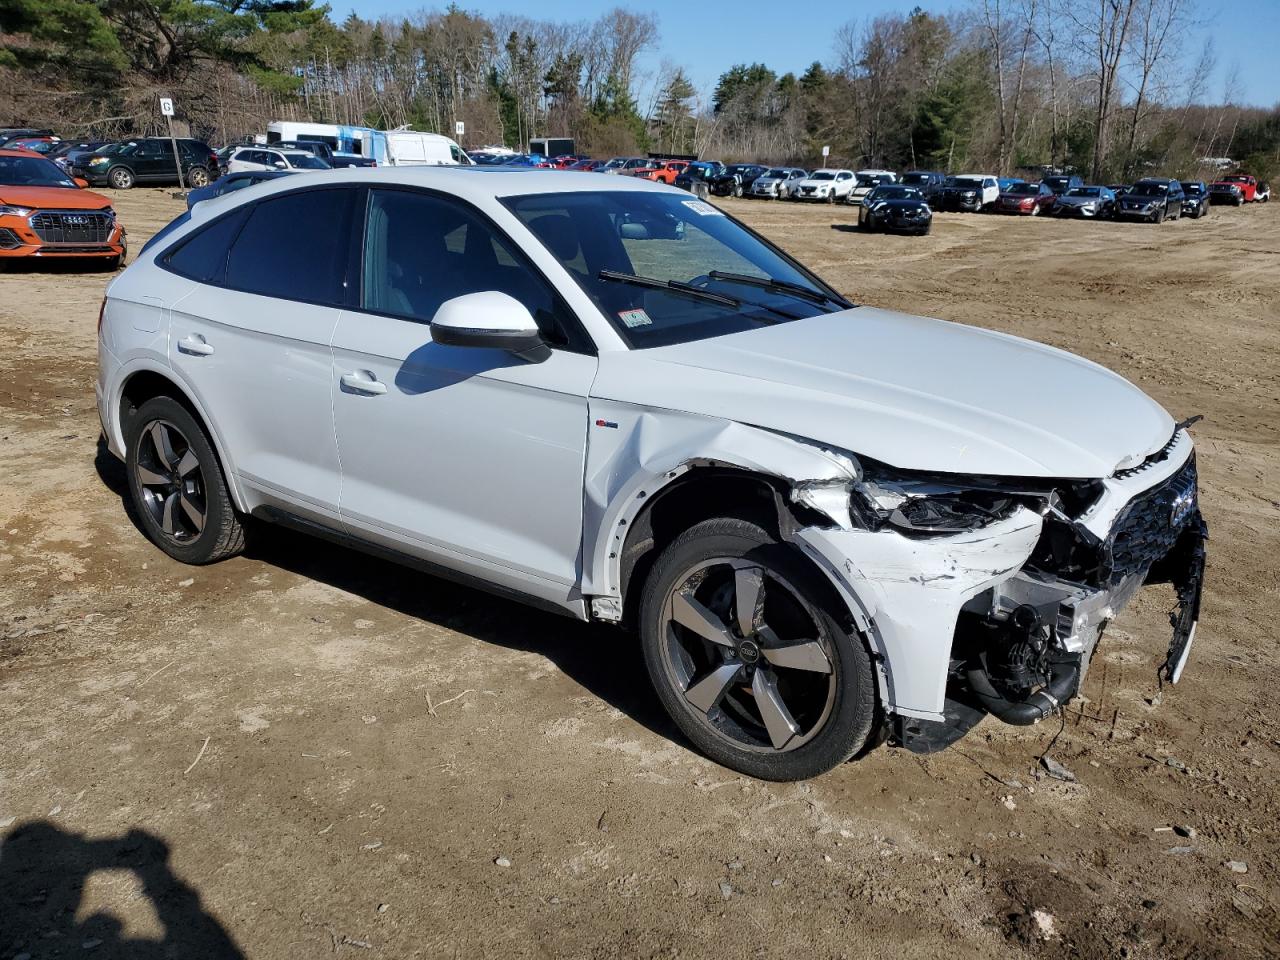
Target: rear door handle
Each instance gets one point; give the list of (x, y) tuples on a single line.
[(195, 345), (364, 382)]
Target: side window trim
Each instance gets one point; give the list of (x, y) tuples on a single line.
[(579, 340)]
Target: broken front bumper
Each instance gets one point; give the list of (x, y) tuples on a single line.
[(918, 598)]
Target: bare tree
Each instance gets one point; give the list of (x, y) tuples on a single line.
[(1157, 41), (1102, 29)]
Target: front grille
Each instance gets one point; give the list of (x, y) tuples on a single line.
[(72, 226), (1149, 526)]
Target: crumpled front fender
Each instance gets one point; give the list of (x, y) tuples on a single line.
[(910, 591)]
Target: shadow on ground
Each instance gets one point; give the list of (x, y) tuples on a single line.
[(43, 872), (604, 660)]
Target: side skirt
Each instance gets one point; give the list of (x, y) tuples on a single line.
[(293, 522)]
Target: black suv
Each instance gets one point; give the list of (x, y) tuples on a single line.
[(148, 160), (737, 179), (928, 182), (1152, 199)]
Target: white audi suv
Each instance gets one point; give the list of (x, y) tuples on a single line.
[(828, 524)]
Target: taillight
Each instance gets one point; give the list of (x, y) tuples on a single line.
[(101, 310)]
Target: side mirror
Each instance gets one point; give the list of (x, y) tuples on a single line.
[(278, 164), (489, 319), (82, 183)]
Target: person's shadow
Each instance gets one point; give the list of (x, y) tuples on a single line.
[(43, 871)]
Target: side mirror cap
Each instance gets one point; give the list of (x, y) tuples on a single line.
[(82, 183), (489, 319)]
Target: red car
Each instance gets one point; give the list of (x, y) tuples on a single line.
[(587, 165), (1026, 199), (566, 161), (1247, 185)]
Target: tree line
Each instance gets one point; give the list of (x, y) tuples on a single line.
[(1112, 88)]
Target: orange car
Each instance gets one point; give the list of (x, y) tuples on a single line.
[(666, 171), (46, 214)]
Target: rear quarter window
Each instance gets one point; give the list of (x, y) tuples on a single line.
[(203, 255)]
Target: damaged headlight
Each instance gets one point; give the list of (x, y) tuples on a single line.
[(922, 507)]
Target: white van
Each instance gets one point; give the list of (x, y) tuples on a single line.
[(411, 148)]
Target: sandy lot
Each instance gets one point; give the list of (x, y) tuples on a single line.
[(372, 742)]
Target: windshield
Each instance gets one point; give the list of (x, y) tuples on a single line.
[(1057, 183), (822, 175), (661, 268), (967, 183), (1150, 189), (1236, 179), (699, 170), (1023, 189), (895, 192), (305, 161), (777, 174), (1192, 188), (916, 178), (33, 172), (1083, 192)]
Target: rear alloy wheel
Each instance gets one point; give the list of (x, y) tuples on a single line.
[(747, 658), (121, 178), (197, 177), (177, 485)]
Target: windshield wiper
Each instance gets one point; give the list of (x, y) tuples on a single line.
[(679, 287), (784, 286), (671, 286)]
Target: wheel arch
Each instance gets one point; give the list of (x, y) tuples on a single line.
[(144, 381)]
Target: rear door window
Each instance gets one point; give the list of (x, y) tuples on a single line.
[(295, 247)]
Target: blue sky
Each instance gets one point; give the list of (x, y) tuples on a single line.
[(708, 37)]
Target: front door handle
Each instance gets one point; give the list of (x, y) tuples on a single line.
[(364, 382), (195, 345)]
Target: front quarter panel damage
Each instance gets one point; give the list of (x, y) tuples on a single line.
[(904, 594), (912, 590)]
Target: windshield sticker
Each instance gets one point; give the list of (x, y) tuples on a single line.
[(635, 318), (702, 208)]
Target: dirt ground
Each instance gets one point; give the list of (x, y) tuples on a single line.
[(303, 751)]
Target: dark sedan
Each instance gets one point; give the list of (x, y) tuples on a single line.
[(1195, 199), (895, 208)]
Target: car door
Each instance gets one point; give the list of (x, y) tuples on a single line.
[(147, 160), (251, 340), (469, 457)]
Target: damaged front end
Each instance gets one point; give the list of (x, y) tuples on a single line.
[(1022, 646)]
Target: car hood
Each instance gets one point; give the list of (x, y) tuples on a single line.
[(806, 182), (1077, 201), (915, 393), (52, 198)]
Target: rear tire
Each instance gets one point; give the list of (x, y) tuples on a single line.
[(177, 485), (769, 715), (197, 177)]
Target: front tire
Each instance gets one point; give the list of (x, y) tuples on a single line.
[(121, 178), (177, 485), (746, 653)]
